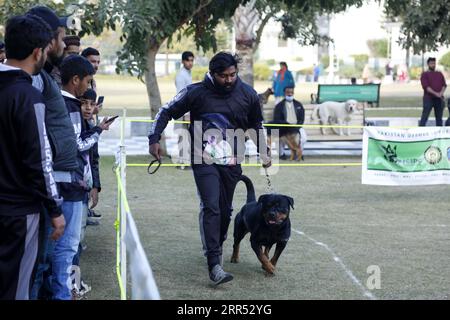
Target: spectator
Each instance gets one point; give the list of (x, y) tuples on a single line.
[(26, 175), (290, 111), (434, 86), (2, 52), (184, 75), (76, 73), (93, 57), (366, 74), (72, 45), (182, 80), (316, 72), (282, 80), (63, 142)]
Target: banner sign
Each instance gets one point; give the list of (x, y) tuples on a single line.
[(406, 157)]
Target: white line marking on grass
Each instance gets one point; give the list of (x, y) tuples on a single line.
[(343, 266)]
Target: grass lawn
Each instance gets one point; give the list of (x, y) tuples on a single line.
[(403, 231)]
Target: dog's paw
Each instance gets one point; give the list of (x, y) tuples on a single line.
[(269, 268)]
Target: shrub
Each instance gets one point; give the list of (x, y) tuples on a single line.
[(261, 71)]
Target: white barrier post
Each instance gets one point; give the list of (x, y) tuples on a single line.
[(123, 213)]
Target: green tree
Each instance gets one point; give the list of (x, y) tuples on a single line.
[(445, 61), (297, 17), (425, 23), (378, 48), (146, 25)]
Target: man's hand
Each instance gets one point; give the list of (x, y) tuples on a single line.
[(104, 125), (267, 163), (155, 150), (58, 224), (93, 195)]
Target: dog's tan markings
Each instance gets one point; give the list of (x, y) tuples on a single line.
[(235, 255), (266, 252), (278, 250), (266, 264), (291, 140)]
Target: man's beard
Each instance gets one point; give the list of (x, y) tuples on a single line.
[(432, 68), (225, 88), (54, 59)]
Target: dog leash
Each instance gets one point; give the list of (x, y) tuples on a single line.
[(156, 168), (269, 183)]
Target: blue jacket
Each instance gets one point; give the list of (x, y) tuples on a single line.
[(278, 85)]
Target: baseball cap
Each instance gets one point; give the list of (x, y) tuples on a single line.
[(49, 16)]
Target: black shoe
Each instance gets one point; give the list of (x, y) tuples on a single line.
[(92, 213), (284, 157), (218, 276)]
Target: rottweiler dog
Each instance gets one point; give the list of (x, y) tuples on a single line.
[(268, 222)]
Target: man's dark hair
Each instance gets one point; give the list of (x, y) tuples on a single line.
[(186, 55), (222, 61), (24, 34), (75, 65), (90, 95), (282, 63), (72, 41), (289, 87), (431, 59), (89, 51)]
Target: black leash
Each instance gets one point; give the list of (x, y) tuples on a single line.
[(156, 168), (269, 183)]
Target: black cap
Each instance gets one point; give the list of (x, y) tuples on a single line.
[(49, 16)]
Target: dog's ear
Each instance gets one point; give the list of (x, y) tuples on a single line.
[(291, 201), (264, 199)]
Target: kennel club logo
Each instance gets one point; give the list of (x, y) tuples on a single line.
[(390, 154), (433, 155)]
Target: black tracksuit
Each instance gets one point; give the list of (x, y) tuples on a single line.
[(26, 179), (214, 108)]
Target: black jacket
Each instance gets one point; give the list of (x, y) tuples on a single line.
[(26, 174), (213, 109), (280, 117), (57, 122), (86, 139)]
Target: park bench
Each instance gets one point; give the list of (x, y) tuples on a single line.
[(342, 92)]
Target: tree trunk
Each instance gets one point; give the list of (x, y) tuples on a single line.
[(153, 93), (245, 19), (151, 82)]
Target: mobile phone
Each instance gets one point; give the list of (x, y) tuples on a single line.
[(111, 119), (100, 100)]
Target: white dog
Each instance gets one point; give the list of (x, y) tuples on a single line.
[(339, 113)]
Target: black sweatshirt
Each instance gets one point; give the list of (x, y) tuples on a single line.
[(26, 173), (212, 108)]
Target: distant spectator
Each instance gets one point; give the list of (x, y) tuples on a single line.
[(353, 80), (434, 85), (366, 74), (72, 45), (182, 80), (2, 52), (282, 80), (289, 111), (184, 75), (93, 56), (316, 72)]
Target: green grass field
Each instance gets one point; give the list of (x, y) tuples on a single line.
[(403, 231)]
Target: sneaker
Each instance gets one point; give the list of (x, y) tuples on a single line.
[(92, 213), (92, 222), (218, 276), (84, 288)]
